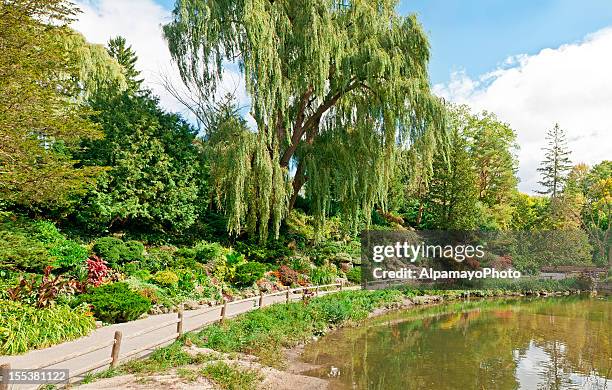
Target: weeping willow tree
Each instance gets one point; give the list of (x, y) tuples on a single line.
[(334, 87)]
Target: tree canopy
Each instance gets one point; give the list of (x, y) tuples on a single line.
[(45, 68), (334, 88)]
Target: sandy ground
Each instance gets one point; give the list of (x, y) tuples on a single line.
[(270, 378)]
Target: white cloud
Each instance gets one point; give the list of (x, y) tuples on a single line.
[(571, 85), (140, 23)]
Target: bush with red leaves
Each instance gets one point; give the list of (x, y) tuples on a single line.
[(502, 262), (288, 276), (97, 271)]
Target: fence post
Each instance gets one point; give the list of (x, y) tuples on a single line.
[(223, 310), (261, 297), (288, 290), (116, 349), (303, 294), (179, 324), (4, 370), (317, 291), (341, 284)]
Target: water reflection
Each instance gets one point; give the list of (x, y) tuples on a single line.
[(554, 343)]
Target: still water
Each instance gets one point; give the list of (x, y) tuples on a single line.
[(546, 343)]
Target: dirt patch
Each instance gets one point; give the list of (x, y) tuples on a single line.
[(175, 379)]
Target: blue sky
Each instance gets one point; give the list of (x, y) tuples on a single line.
[(478, 35)]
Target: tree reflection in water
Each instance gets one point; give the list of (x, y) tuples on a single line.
[(552, 343)]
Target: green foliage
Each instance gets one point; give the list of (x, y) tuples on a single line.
[(125, 56), (115, 303), (533, 250), (186, 280), (248, 273), (68, 255), (326, 274), (273, 251), (556, 163), (45, 67), (24, 327), (166, 278), (354, 275), (231, 377), (206, 252), (111, 249), (155, 175), (265, 331), (18, 252), (159, 259), (453, 193), (300, 63), (134, 251)]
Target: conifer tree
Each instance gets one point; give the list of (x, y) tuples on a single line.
[(127, 58), (556, 163)]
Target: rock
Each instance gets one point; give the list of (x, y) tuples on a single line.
[(99, 324), (156, 309), (265, 285), (191, 305)]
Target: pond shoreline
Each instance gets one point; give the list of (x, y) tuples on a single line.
[(295, 365), (287, 362)]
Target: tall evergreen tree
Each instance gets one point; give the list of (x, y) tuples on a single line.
[(127, 58), (556, 162), (333, 88), (453, 189)]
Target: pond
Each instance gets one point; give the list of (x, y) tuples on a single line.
[(541, 343)]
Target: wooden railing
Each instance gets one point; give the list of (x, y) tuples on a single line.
[(115, 356)]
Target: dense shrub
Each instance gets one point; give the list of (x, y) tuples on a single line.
[(206, 252), (115, 302), (325, 274), (18, 252), (270, 252), (354, 275), (186, 280), (24, 327), (157, 260), (248, 273), (134, 251), (45, 232), (68, 254), (166, 278), (110, 249)]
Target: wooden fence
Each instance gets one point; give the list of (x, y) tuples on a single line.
[(115, 356)]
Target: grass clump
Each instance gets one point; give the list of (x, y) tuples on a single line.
[(24, 327), (231, 377)]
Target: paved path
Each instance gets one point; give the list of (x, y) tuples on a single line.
[(131, 347)]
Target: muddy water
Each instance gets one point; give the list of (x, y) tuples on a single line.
[(551, 343)]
